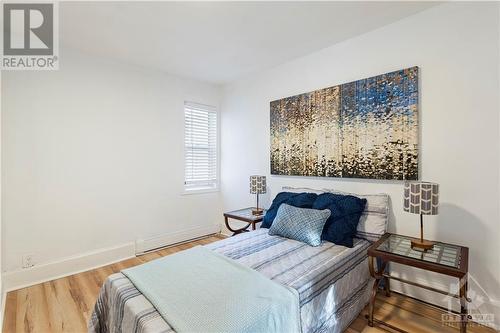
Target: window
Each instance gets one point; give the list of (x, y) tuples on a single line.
[(200, 139)]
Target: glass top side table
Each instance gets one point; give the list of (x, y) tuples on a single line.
[(442, 253), (244, 215), (443, 258)]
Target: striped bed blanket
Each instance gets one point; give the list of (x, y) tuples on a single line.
[(332, 282)]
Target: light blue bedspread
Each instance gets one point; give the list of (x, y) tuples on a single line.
[(198, 290)]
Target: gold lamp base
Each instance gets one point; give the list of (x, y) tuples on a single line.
[(422, 245), (257, 211)]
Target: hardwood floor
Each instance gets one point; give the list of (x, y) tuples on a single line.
[(65, 305)]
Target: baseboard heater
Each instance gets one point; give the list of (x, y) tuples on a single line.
[(146, 245)]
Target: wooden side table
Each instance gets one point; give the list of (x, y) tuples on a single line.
[(448, 259), (244, 215)]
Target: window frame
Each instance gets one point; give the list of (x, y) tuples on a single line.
[(209, 108)]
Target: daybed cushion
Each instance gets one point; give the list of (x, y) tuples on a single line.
[(302, 224), (346, 210), (301, 200)]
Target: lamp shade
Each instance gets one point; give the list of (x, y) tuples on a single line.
[(421, 198), (257, 184)]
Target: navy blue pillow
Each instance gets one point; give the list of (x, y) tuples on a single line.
[(341, 226), (301, 200)]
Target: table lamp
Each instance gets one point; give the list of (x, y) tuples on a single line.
[(257, 186), (421, 198)]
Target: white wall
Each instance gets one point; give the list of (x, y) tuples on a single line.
[(456, 47), (92, 159)]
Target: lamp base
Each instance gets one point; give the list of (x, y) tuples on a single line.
[(422, 245), (257, 211)]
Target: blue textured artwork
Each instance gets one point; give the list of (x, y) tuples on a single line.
[(362, 129)]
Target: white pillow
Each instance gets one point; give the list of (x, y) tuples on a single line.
[(302, 189), (373, 222)]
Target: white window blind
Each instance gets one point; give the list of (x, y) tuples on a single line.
[(200, 128)]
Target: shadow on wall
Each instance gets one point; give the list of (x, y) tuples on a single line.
[(457, 225), (391, 223)]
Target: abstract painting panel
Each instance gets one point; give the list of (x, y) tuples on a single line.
[(363, 129)]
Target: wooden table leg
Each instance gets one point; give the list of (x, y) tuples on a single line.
[(371, 308), (463, 304), (387, 285), (378, 275), (236, 231)]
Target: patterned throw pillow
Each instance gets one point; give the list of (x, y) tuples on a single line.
[(341, 226), (302, 224)]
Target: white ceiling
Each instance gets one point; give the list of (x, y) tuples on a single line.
[(219, 41)]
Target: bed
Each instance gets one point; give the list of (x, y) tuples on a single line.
[(332, 281)]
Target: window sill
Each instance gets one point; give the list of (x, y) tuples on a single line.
[(200, 191)]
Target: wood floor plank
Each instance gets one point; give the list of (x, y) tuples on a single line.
[(358, 324), (9, 322), (70, 318), (149, 256), (56, 311), (65, 305), (24, 318)]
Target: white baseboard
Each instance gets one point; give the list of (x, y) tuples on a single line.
[(71, 265), (144, 245), (76, 264)]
